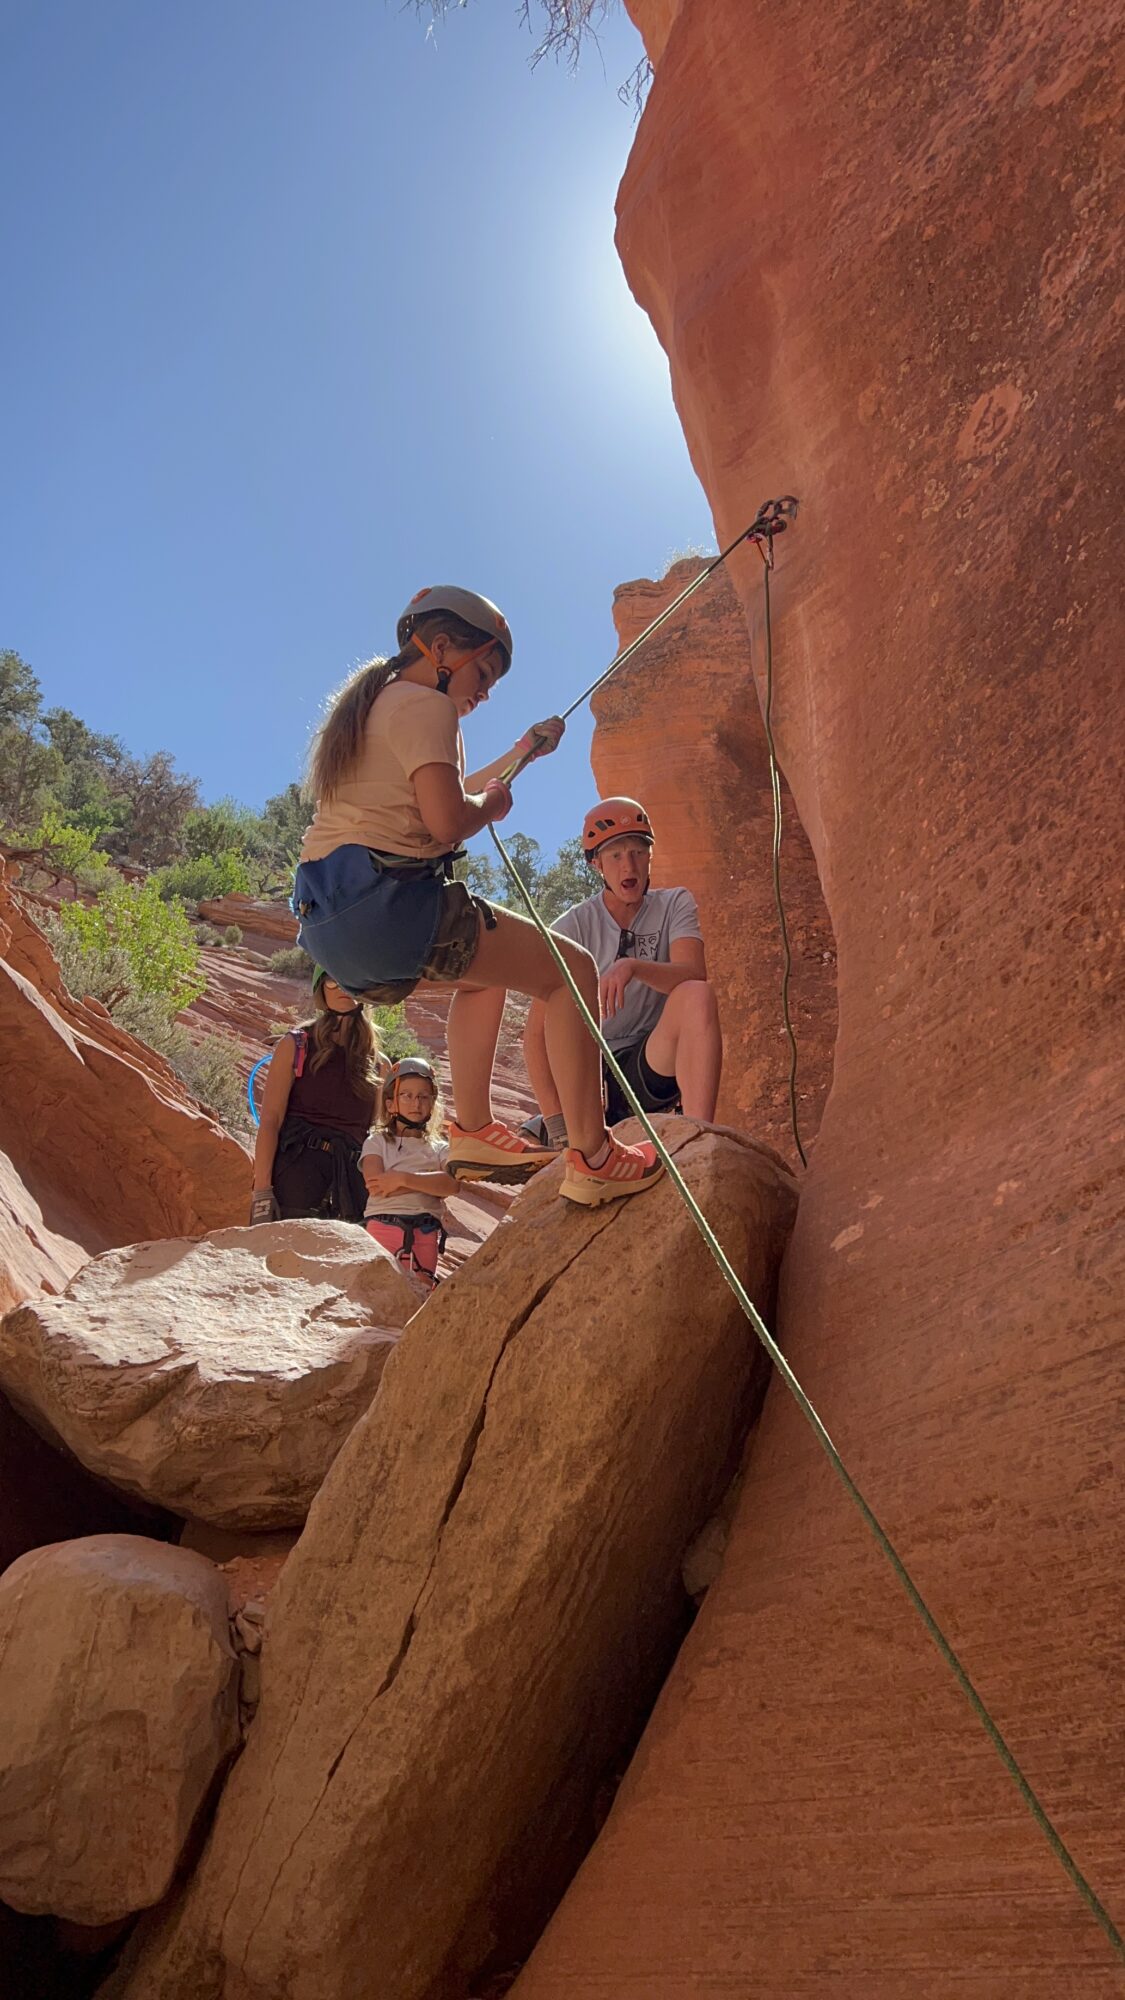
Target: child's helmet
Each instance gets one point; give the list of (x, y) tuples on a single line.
[(477, 611), (609, 819), (411, 1066)]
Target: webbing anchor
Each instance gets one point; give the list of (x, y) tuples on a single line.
[(772, 518)]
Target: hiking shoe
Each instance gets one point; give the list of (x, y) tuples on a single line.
[(625, 1170), (495, 1153)]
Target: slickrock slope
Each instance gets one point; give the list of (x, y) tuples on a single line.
[(876, 246), (702, 771), (106, 1146), (483, 1599)]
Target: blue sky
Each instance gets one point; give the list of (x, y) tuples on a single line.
[(304, 308)]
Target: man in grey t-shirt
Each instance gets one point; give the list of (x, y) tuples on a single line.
[(658, 1010)]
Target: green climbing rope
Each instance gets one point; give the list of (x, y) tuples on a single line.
[(775, 788), (882, 1539)]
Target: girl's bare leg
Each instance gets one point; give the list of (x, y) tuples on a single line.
[(515, 956), (471, 1036)]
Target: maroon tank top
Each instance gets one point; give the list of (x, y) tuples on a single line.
[(326, 1097)]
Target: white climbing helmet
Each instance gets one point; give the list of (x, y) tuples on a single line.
[(479, 612)]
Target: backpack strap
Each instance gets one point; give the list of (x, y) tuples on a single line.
[(301, 1039)]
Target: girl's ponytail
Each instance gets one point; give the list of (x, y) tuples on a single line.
[(339, 740), (338, 743)]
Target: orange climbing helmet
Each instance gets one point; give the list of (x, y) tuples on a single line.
[(468, 605), (609, 819)]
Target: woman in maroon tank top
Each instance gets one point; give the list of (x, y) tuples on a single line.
[(319, 1102)]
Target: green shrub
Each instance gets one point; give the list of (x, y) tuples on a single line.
[(208, 934), (155, 937), (67, 845), (204, 878), (396, 1039), (210, 1069), (96, 874), (291, 963), (232, 934)]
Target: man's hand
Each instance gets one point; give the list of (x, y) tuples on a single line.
[(381, 1185), (540, 739), (611, 986), (263, 1206)]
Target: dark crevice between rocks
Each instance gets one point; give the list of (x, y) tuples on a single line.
[(45, 1958)]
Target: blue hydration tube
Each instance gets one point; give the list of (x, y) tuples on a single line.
[(262, 1063)]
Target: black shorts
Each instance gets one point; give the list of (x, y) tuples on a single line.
[(656, 1092)]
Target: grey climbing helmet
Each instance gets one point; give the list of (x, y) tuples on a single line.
[(468, 605)]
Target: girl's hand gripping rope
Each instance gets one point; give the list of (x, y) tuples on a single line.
[(538, 741)]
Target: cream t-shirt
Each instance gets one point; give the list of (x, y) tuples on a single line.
[(408, 726)]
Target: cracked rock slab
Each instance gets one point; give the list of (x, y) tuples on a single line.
[(216, 1378), (486, 1586), (118, 1704)]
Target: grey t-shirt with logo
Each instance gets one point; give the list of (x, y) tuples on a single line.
[(664, 916)]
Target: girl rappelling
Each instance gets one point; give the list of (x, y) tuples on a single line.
[(377, 906)]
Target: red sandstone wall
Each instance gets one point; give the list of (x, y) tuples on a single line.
[(877, 244), (680, 729)]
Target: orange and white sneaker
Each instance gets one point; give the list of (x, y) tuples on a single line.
[(625, 1170), (495, 1153)]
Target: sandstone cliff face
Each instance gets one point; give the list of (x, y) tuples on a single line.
[(702, 771), (103, 1146), (875, 245)]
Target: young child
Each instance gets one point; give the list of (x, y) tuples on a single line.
[(377, 906), (403, 1164)]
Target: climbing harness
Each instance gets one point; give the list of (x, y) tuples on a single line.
[(771, 520)]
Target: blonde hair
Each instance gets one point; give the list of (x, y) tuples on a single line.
[(338, 743), (387, 1122)]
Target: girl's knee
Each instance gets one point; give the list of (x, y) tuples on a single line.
[(581, 966)]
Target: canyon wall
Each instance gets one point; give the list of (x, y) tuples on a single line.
[(99, 1142), (877, 245), (702, 773)]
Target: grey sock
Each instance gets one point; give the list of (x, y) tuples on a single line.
[(556, 1129)]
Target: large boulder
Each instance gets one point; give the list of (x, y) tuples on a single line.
[(900, 308), (484, 1597), (118, 1705), (217, 1378)]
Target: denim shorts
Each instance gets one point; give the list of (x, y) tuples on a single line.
[(378, 930)]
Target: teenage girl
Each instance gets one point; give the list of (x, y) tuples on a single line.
[(403, 1164), (317, 1108), (377, 907)]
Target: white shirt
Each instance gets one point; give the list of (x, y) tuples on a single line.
[(664, 916), (411, 1153)]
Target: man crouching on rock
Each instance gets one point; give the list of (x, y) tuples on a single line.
[(658, 1009)]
